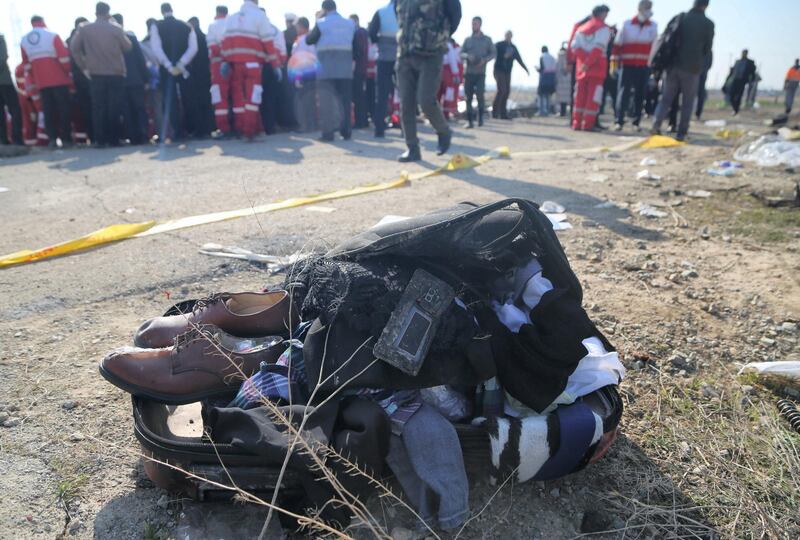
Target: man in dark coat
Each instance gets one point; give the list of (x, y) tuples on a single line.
[(134, 123), (744, 72)]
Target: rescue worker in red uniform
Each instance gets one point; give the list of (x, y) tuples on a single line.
[(47, 60), (590, 46), (220, 87), (30, 110), (250, 40)]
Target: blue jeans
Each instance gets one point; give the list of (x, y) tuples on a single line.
[(544, 104)]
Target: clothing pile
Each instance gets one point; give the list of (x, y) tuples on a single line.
[(413, 349)]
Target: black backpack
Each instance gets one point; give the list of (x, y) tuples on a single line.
[(665, 49)]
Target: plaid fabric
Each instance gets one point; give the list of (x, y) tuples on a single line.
[(272, 383), (279, 382), (400, 406)]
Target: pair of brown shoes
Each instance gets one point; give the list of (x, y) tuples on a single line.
[(205, 353)]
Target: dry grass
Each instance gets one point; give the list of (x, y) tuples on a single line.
[(716, 466)]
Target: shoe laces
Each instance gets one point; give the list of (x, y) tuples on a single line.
[(209, 300), (190, 336)]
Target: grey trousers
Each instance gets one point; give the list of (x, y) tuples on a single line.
[(791, 90), (685, 83), (418, 79)]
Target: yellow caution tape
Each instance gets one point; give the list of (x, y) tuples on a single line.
[(458, 162), (217, 217), (123, 231), (107, 235), (660, 141)]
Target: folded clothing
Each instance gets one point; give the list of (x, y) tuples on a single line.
[(545, 336)]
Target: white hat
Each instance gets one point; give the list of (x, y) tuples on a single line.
[(290, 17)]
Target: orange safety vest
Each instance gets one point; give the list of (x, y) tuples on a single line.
[(793, 74)]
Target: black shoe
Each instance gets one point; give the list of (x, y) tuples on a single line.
[(412, 154), (380, 135), (444, 143), (470, 126), (347, 136), (327, 138)]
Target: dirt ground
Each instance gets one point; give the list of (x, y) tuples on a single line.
[(687, 299)]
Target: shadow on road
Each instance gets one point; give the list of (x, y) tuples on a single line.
[(574, 201)]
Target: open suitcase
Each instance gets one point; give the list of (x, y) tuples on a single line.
[(174, 434)]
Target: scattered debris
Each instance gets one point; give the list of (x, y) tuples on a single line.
[(275, 264), (321, 209), (728, 165), (727, 172), (550, 207), (770, 151), (609, 204), (789, 369), (789, 411), (129, 210), (779, 202), (597, 178), (716, 123), (789, 134), (647, 175), (4, 189), (647, 210), (649, 162), (730, 133), (699, 194)]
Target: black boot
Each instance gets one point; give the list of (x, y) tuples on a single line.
[(444, 142), (412, 154)]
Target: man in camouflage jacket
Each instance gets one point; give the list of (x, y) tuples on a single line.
[(425, 28)]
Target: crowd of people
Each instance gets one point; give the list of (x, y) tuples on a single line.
[(244, 76)]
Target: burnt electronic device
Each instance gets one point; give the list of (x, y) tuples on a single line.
[(408, 336)]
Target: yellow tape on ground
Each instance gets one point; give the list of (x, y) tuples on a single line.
[(122, 232), (572, 151), (107, 235), (458, 162)]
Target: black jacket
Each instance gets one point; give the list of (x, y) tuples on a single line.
[(507, 53), (136, 72), (174, 36), (696, 38), (5, 73)]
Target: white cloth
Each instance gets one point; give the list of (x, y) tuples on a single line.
[(597, 369)]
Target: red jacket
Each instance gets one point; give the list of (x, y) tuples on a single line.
[(633, 44), (590, 46), (250, 38), (46, 58)]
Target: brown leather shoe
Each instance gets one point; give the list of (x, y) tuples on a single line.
[(204, 362), (239, 314)]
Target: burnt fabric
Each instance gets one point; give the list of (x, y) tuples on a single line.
[(336, 356), (363, 294), (470, 247), (474, 244)]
